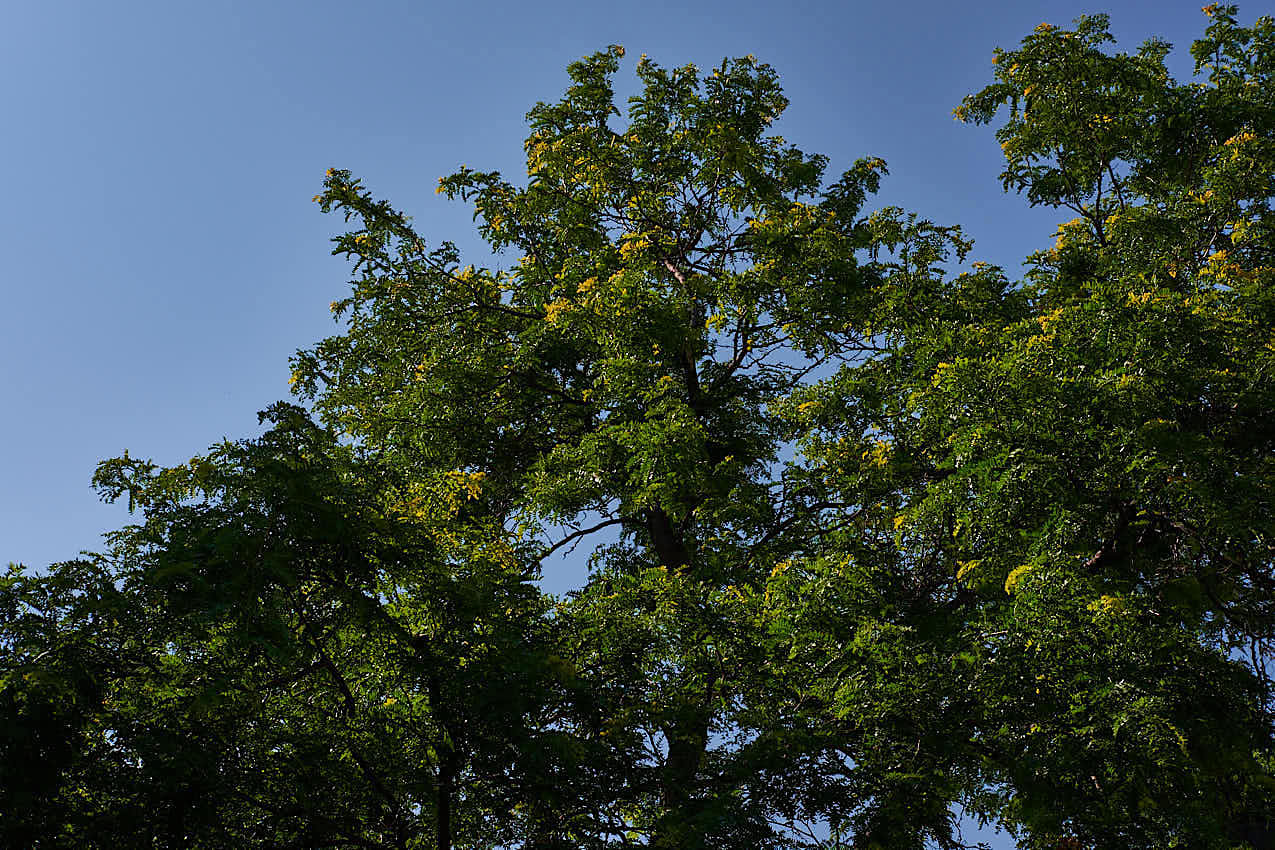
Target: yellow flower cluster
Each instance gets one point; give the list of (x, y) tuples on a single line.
[(940, 372), (878, 455), (1051, 318), (555, 309), (1015, 578), (1109, 605), (468, 483)]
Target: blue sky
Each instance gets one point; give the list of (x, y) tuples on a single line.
[(160, 257)]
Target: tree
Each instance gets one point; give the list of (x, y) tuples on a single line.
[(871, 537), (277, 655), (679, 278)]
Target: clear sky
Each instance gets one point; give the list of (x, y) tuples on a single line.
[(159, 255)]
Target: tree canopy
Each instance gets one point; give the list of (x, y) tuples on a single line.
[(877, 535)]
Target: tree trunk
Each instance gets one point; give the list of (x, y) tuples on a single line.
[(446, 789), (680, 824), (666, 541), (448, 766)]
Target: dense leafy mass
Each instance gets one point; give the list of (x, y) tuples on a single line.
[(877, 537)]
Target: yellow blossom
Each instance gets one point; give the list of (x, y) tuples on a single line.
[(1050, 318), (1107, 604), (469, 483), (1016, 577), (554, 309), (878, 455)]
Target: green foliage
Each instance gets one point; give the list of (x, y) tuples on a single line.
[(874, 537)]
